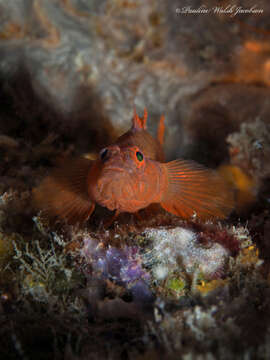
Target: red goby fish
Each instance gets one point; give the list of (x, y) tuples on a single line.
[(128, 176)]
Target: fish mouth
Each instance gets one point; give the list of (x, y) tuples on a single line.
[(114, 169)]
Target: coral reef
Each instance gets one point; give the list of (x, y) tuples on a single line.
[(179, 246), (152, 286), (250, 149), (163, 278)]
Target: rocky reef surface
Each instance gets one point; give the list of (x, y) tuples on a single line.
[(160, 287)]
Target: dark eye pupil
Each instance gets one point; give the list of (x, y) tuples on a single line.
[(103, 154), (139, 156)]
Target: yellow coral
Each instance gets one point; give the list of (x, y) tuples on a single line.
[(244, 185), (250, 256), (205, 287)]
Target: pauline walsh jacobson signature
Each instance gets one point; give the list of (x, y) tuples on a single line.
[(230, 10)]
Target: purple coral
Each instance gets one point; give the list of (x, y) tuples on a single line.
[(121, 265)]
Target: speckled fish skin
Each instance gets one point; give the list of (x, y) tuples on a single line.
[(124, 182), (130, 175)]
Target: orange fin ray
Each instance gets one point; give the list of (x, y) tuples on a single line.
[(64, 193), (161, 130), (138, 123), (195, 190)]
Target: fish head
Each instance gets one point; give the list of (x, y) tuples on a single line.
[(118, 181), (129, 160)]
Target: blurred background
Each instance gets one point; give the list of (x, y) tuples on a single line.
[(71, 73)]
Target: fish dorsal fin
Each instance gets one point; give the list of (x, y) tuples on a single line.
[(195, 190), (144, 120), (64, 194), (138, 123), (161, 130)]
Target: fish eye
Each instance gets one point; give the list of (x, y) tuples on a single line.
[(103, 153), (139, 156)]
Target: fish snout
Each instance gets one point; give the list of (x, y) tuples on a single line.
[(109, 153)]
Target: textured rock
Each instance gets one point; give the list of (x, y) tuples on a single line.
[(91, 62), (71, 72)]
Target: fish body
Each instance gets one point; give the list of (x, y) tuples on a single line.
[(129, 175)]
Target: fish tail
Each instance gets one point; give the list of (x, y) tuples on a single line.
[(64, 194), (161, 130), (193, 190)]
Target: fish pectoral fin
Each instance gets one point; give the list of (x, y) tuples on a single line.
[(195, 190), (64, 192)]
